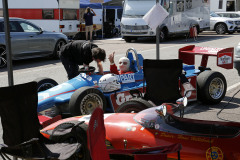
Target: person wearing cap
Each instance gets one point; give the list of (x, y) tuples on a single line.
[(88, 17), (124, 65), (78, 53)]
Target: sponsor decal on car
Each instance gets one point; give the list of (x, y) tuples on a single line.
[(126, 78), (224, 58), (210, 50), (214, 153)]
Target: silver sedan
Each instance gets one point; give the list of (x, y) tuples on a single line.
[(29, 41)]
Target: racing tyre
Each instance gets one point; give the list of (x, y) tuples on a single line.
[(57, 48), (163, 35), (211, 87), (3, 56), (85, 100), (134, 106), (221, 28), (44, 83)]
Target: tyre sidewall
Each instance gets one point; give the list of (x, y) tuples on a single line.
[(203, 83), (43, 80)]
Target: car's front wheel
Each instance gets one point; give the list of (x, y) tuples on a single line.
[(45, 83), (221, 28), (212, 87), (3, 56), (85, 100), (57, 48)]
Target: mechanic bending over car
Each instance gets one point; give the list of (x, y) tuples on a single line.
[(81, 53), (124, 65)]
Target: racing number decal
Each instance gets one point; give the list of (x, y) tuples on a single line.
[(214, 153)]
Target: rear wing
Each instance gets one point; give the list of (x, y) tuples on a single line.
[(224, 55)]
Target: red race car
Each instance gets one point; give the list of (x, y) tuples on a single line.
[(158, 126)]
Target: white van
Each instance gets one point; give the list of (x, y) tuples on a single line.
[(182, 15)]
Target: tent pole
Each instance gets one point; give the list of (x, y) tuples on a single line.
[(157, 39), (8, 42), (102, 19)]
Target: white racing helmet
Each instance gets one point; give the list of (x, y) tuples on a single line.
[(109, 83)]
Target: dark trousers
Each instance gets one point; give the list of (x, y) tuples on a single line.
[(71, 67)]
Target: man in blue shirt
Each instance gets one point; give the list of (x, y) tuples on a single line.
[(88, 17)]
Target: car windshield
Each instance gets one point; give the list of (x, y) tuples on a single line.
[(214, 15), (147, 118)]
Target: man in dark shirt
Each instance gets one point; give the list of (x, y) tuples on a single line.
[(81, 53), (88, 17)]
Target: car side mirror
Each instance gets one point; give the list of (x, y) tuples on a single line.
[(182, 101), (161, 110)]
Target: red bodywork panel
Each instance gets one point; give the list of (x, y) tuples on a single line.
[(122, 131), (45, 120), (224, 56)]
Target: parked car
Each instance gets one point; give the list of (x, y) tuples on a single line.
[(237, 58), (29, 41), (234, 16), (221, 25)]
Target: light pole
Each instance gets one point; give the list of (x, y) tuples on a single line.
[(157, 39)]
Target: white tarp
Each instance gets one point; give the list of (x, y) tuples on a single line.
[(155, 16)]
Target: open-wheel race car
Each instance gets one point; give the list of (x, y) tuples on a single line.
[(159, 126), (82, 94)]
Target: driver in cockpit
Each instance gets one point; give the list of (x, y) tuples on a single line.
[(124, 65)]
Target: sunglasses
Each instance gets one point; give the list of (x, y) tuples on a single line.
[(124, 63)]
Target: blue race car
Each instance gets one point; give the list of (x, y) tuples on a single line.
[(82, 94)]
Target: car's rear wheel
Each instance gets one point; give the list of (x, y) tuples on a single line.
[(133, 106), (57, 48), (3, 56), (212, 87), (44, 83), (221, 28), (84, 101)]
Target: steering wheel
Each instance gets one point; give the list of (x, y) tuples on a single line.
[(90, 70)]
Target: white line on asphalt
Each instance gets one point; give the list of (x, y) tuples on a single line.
[(233, 86), (163, 47)]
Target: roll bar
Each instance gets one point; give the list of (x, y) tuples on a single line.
[(136, 55)]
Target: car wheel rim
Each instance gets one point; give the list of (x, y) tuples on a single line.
[(216, 88), (3, 59), (45, 86), (220, 29), (90, 102), (60, 44)]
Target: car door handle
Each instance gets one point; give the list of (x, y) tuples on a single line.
[(31, 36)]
